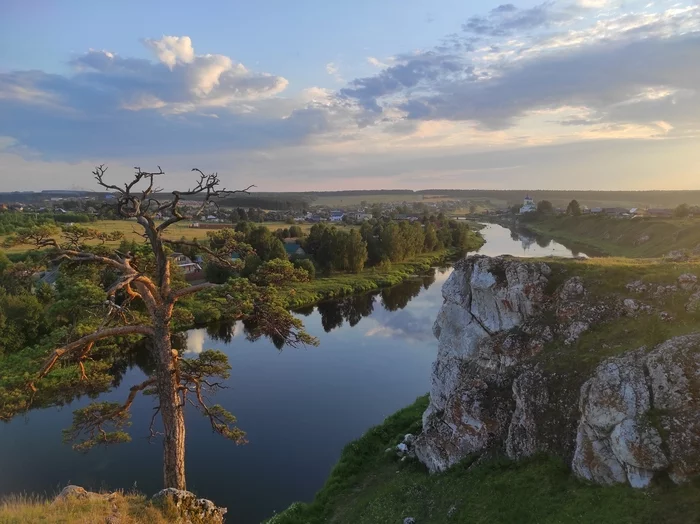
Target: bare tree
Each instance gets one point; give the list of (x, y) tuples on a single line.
[(176, 381)]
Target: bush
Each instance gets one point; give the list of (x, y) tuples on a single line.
[(307, 265)]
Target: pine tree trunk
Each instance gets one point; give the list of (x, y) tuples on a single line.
[(171, 408)]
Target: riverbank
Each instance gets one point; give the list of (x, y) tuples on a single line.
[(305, 294), (371, 485), (634, 238)]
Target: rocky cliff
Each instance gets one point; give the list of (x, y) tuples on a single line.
[(572, 359)]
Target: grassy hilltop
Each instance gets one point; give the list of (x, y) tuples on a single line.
[(637, 237)]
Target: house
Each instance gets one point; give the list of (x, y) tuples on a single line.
[(337, 216), (359, 216), (293, 248), (185, 263), (596, 210), (48, 277), (528, 206)]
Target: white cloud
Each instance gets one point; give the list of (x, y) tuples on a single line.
[(333, 70), (172, 50)]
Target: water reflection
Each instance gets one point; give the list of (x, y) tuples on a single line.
[(519, 241)]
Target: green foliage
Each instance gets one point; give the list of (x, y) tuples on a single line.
[(266, 245), (545, 207), (296, 231), (22, 321), (251, 264), (574, 208), (278, 272), (307, 265), (682, 211), (99, 423)]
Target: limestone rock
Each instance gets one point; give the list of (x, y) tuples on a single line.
[(193, 510), (643, 239), (674, 373), (693, 304), (636, 415), (637, 286), (687, 281), (626, 404), (73, 492), (676, 256), (484, 297)]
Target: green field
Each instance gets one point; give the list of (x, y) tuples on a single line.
[(638, 237)]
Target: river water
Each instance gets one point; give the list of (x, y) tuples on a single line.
[(299, 407)]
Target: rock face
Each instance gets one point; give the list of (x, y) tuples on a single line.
[(626, 421), (483, 297)]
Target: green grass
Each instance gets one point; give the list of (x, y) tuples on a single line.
[(371, 486), (605, 280), (623, 237)]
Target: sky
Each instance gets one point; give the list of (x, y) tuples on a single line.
[(318, 95)]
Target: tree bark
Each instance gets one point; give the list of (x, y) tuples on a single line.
[(171, 407)]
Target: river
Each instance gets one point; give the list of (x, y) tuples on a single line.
[(299, 407)]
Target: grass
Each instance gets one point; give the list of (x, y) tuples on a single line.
[(638, 237), (605, 280), (369, 485), (126, 509)]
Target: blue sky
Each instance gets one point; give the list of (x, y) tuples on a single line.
[(588, 94)]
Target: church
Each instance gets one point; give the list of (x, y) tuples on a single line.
[(529, 206)]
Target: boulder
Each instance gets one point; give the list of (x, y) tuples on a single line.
[(687, 281), (192, 510), (626, 407), (73, 492), (693, 304), (676, 256), (637, 286)]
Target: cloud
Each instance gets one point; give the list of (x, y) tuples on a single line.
[(113, 106), (609, 68), (581, 71), (507, 19), (333, 70), (172, 50)]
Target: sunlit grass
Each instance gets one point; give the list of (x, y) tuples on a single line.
[(123, 508)]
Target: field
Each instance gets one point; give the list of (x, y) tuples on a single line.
[(372, 198), (130, 230)]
